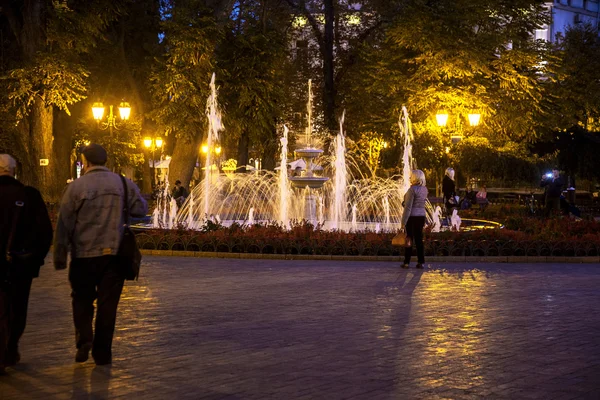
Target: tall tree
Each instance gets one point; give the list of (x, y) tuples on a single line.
[(180, 80), (49, 36), (251, 62), (337, 27)]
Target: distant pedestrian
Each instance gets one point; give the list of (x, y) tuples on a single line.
[(25, 238), (413, 216), (449, 191), (554, 185), (482, 199), (179, 193), (90, 225)]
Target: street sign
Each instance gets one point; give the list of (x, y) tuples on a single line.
[(44, 162)]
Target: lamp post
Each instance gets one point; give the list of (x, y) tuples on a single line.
[(98, 112), (111, 119), (213, 150), (456, 135), (152, 144)]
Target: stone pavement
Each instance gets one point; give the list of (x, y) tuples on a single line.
[(271, 329)]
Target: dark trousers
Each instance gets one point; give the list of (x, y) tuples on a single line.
[(14, 299), (95, 278), (552, 206), (414, 229)]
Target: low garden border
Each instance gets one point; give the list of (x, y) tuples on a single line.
[(563, 240)]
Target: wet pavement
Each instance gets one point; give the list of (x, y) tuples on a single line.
[(272, 329)]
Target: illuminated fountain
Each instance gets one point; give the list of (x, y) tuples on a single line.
[(336, 196), (308, 181)]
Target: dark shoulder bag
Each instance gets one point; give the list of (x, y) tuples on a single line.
[(17, 257), (129, 255)]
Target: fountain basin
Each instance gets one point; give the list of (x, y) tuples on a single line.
[(313, 182), (308, 153)]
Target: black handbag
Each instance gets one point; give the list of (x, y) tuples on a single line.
[(17, 257), (129, 255)]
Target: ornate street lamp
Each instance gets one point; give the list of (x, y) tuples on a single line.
[(152, 144), (456, 135), (98, 112)]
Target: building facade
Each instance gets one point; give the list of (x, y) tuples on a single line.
[(565, 13)]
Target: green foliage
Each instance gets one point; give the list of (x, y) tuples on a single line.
[(179, 82), (510, 164), (455, 55), (56, 82), (577, 87)]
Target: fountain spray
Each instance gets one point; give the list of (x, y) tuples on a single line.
[(338, 216), (284, 186), (214, 126)]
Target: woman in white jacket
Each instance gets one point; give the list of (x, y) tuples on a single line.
[(413, 217)]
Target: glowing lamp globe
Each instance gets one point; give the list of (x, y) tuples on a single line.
[(159, 142), (98, 111), (124, 110), (474, 119), (147, 142), (442, 119)]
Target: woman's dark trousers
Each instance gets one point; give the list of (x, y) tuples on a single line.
[(414, 229), (95, 278)]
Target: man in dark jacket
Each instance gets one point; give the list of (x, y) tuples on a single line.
[(554, 185), (25, 238), (90, 226)]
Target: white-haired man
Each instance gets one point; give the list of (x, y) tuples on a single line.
[(25, 238)]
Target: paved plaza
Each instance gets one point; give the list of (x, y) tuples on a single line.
[(195, 328)]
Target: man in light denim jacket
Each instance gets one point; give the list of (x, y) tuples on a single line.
[(90, 225)]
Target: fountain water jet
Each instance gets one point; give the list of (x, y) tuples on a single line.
[(284, 187), (212, 137), (339, 209)]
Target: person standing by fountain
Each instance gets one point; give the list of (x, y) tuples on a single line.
[(413, 216), (179, 193), (553, 184), (449, 190)]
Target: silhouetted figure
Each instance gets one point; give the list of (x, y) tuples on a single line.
[(554, 185), (25, 238), (449, 191)]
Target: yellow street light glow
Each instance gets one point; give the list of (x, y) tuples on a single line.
[(159, 142), (204, 148), (441, 118), (147, 142), (474, 119), (447, 149), (299, 22), (86, 142), (98, 111), (124, 110), (385, 145), (218, 150), (353, 19)]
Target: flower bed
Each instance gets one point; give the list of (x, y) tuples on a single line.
[(560, 237)]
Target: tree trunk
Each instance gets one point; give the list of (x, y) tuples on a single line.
[(147, 171), (242, 156), (183, 161), (269, 156), (37, 135), (63, 129), (329, 91)]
